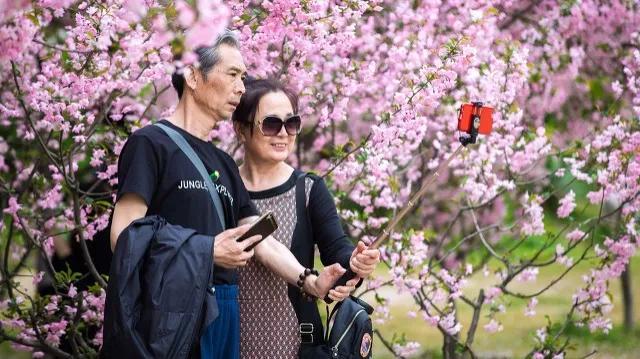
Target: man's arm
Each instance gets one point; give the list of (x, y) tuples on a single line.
[(129, 207), (228, 253)]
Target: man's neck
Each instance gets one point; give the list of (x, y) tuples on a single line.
[(191, 118)]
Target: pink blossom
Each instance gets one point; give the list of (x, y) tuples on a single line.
[(567, 205), (530, 310), (72, 291), (534, 224), (450, 325), (600, 323), (492, 293), (13, 207), (37, 278), (493, 326), (575, 235), (528, 274), (407, 350), (97, 158)]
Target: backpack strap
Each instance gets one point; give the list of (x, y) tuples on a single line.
[(302, 211), (327, 328)]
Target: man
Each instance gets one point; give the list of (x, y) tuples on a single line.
[(156, 178)]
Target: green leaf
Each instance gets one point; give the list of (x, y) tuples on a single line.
[(34, 18), (146, 90)]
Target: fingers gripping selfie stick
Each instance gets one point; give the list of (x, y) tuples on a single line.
[(473, 119)]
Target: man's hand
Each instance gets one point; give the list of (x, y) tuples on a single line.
[(363, 260), (228, 252), (320, 286)]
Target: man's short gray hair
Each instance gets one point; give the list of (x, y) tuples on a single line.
[(208, 57)]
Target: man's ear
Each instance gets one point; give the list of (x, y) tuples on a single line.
[(190, 74)]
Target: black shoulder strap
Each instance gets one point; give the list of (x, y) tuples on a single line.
[(197, 163), (327, 328), (301, 203)]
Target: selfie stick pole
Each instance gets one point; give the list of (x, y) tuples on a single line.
[(473, 135), (414, 199), (384, 236)]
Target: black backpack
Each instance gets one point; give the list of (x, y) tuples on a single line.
[(351, 335), (348, 331)]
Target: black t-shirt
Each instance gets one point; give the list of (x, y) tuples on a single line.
[(154, 167)]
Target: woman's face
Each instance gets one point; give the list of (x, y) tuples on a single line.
[(270, 148)]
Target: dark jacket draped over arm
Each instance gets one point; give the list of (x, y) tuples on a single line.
[(158, 299)]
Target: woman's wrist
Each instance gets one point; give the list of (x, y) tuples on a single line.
[(310, 286), (307, 282)]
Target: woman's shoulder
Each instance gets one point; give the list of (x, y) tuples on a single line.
[(276, 191)]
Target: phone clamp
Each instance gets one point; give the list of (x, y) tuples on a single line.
[(475, 125)]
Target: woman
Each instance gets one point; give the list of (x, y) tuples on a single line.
[(267, 125)]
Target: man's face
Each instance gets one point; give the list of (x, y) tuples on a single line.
[(220, 92)]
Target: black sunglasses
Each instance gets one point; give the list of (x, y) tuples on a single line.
[(272, 125)]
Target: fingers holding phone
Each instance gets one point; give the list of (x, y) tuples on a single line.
[(249, 243), (263, 227), (228, 252), (234, 247)]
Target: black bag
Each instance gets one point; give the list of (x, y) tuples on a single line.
[(349, 332), (351, 335)]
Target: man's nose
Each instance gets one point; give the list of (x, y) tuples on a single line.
[(240, 89)]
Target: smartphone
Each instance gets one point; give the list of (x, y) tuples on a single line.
[(264, 226)]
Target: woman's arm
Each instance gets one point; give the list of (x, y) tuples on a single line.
[(334, 245), (279, 259)]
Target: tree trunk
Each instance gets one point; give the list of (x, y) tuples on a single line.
[(449, 348), (627, 297), (449, 344)]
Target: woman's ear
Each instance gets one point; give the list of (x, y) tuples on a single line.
[(237, 127)]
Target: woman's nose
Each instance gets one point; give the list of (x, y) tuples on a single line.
[(283, 131)]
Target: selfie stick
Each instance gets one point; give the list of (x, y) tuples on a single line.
[(384, 236), (414, 200)]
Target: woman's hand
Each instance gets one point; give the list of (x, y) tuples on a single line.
[(363, 260), (341, 293), (319, 286)]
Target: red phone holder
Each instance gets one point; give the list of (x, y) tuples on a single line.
[(474, 119)]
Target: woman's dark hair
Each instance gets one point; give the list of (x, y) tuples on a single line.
[(255, 89)]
